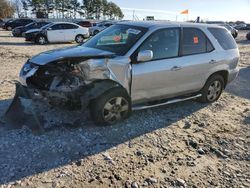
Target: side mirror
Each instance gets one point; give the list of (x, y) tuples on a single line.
[(145, 55)]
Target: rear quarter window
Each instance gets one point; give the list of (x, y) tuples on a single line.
[(224, 38)]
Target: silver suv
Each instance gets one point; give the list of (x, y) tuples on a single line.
[(134, 66)]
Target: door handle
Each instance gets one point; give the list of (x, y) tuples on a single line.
[(176, 68), (212, 61)]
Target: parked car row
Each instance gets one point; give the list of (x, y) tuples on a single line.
[(20, 31), (242, 27), (42, 32), (13, 23)]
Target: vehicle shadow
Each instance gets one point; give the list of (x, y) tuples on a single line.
[(23, 153), (4, 36), (16, 44), (240, 86)]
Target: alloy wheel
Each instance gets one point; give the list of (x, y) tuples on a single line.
[(41, 40), (115, 109), (214, 90), (79, 39)]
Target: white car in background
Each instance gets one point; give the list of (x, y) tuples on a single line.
[(58, 32)]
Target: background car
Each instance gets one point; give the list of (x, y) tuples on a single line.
[(85, 23), (1, 23), (248, 36), (240, 26), (99, 27), (233, 31), (58, 32), (12, 24), (20, 31)]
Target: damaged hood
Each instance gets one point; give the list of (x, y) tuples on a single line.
[(77, 52)]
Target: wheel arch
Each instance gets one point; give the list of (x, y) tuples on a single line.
[(223, 73), (98, 88)]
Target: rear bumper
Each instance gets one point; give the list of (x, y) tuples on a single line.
[(233, 75)]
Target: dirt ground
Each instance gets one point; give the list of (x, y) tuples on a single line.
[(182, 145)]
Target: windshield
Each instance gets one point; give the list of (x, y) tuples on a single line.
[(117, 38), (30, 24), (47, 26)]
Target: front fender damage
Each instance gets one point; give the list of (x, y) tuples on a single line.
[(71, 82)]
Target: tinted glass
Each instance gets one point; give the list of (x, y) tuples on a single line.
[(224, 38), (70, 26), (84, 24), (47, 26), (117, 38), (194, 41), (58, 27), (108, 25), (163, 43)]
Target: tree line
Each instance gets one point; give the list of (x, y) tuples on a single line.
[(7, 9), (89, 9)]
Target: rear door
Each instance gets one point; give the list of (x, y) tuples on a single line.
[(197, 57), (70, 32), (56, 33)]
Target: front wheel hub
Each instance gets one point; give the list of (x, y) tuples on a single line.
[(115, 109)]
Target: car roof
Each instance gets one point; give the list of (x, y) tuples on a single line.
[(64, 23), (151, 24)]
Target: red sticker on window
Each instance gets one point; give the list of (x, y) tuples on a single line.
[(117, 38), (196, 40)]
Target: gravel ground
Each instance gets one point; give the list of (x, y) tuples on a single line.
[(181, 145)]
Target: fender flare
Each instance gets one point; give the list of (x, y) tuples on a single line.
[(97, 89)]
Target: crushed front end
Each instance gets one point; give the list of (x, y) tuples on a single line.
[(60, 83)]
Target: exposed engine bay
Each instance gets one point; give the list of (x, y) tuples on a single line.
[(72, 81), (61, 77)]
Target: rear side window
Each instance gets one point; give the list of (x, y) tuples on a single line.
[(70, 26), (195, 42), (224, 38)]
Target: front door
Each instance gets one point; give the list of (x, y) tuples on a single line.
[(56, 33), (157, 78)]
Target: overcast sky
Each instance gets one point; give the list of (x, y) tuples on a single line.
[(225, 10)]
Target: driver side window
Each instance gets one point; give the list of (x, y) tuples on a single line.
[(163, 43)]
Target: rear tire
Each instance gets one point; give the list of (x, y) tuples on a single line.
[(248, 36), (96, 32), (111, 107), (213, 89), (40, 39)]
